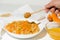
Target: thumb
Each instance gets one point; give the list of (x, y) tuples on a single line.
[(49, 5)]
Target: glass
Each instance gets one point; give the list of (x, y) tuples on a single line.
[(53, 30)]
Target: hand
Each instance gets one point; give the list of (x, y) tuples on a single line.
[(55, 9)]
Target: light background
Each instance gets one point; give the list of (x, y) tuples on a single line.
[(10, 5)]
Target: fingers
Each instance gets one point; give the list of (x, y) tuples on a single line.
[(52, 10), (49, 5), (57, 11)]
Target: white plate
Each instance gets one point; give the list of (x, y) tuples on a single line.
[(6, 37), (11, 19)]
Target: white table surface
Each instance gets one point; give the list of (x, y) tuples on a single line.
[(42, 36), (11, 5)]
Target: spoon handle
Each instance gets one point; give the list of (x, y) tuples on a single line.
[(37, 11), (5, 15)]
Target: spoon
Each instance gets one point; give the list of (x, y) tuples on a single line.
[(35, 23), (28, 14), (5, 15), (38, 20)]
